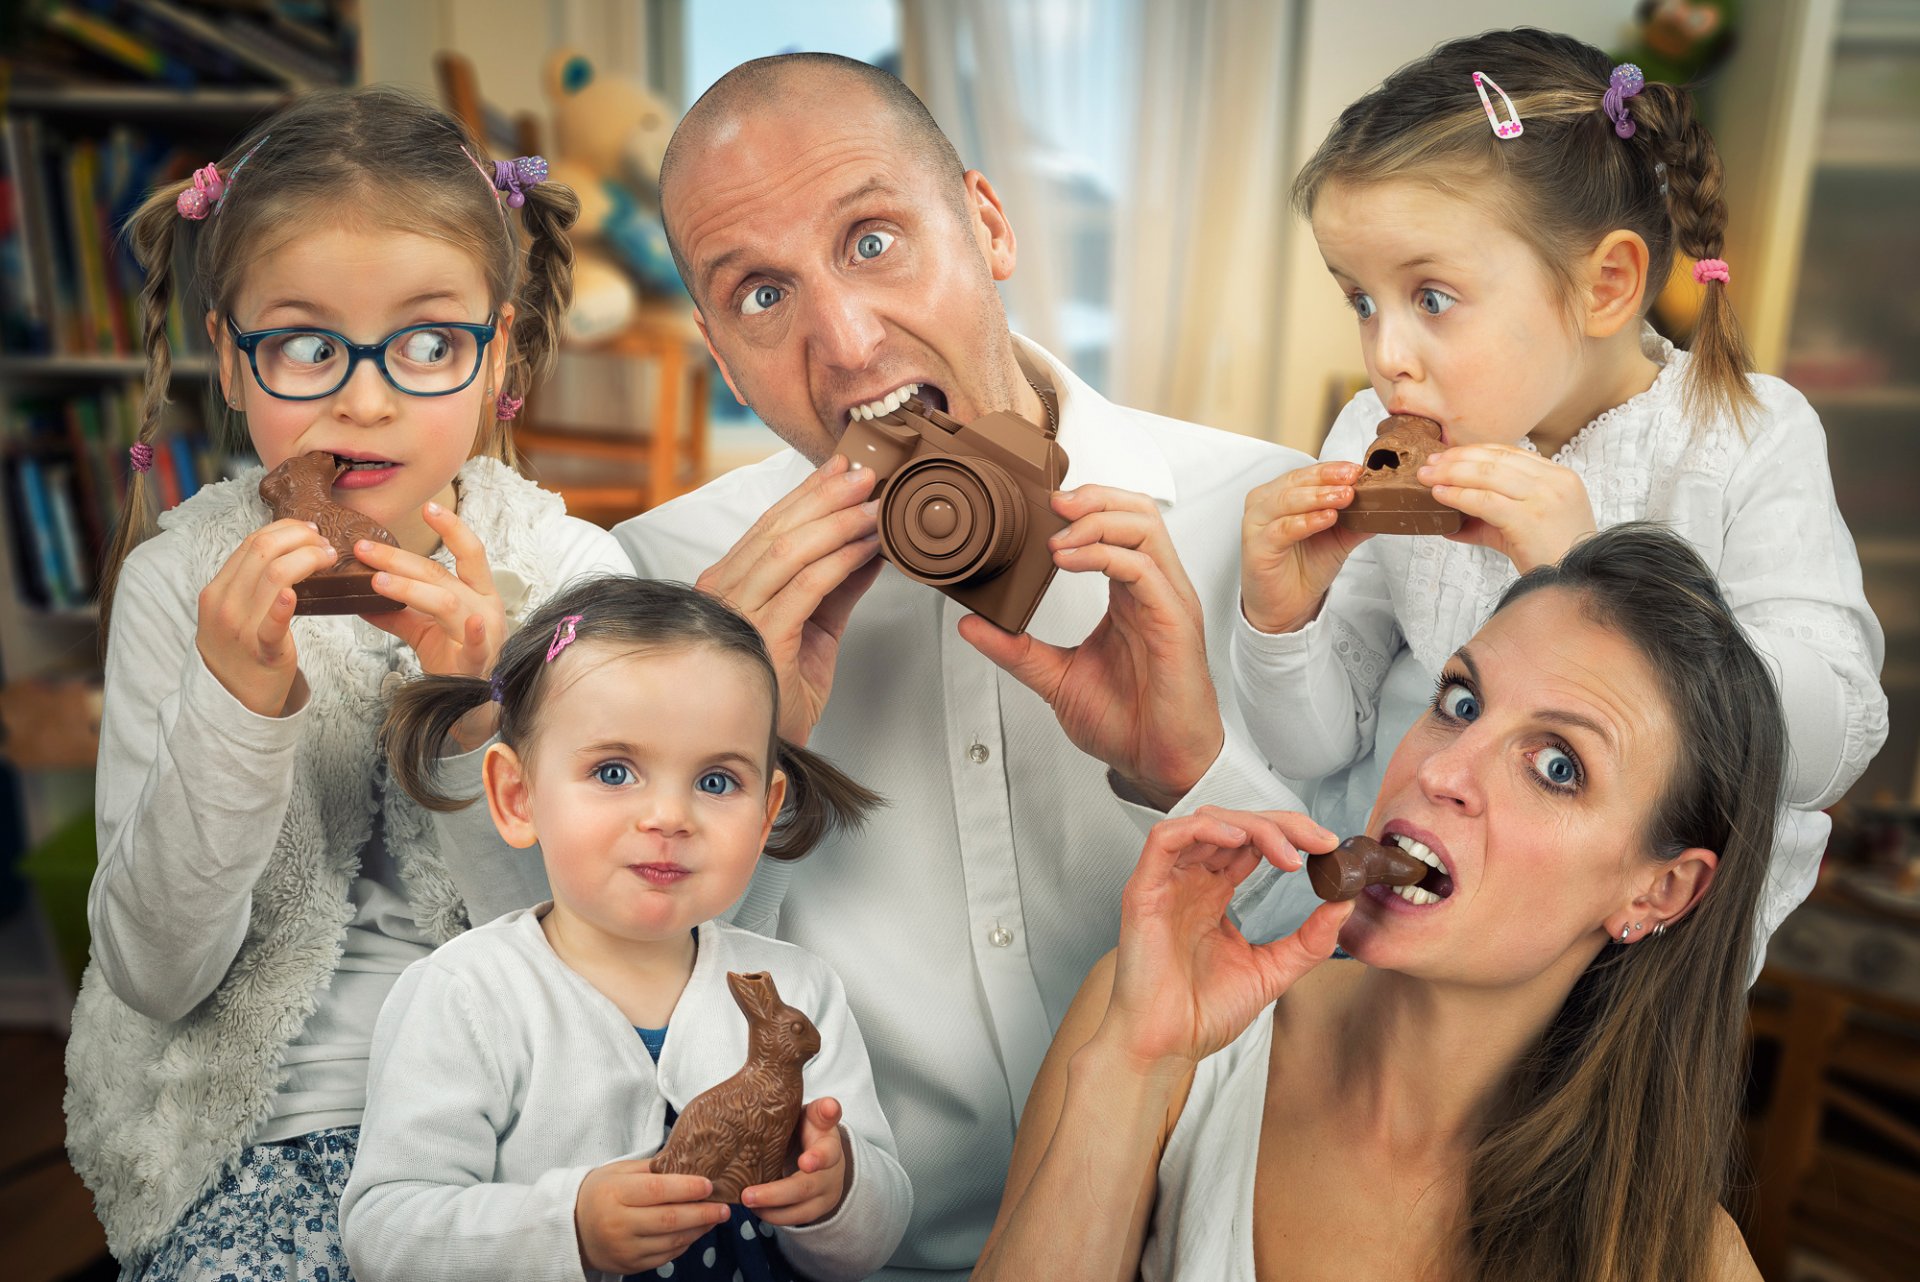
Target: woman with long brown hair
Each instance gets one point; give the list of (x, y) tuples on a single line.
[(1534, 1076)]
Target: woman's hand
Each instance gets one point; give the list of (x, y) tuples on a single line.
[(1527, 507), (454, 619), (1186, 982), (627, 1219), (813, 1192), (246, 613), (1291, 547)]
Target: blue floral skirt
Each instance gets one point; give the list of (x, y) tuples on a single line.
[(273, 1217)]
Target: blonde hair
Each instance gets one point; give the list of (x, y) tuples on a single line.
[(378, 156), (1564, 183)]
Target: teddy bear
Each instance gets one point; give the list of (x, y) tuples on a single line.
[(610, 134)]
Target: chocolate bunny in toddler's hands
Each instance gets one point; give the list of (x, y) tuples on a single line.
[(741, 1132)]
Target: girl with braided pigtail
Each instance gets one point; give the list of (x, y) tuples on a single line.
[(1498, 215), (376, 289)]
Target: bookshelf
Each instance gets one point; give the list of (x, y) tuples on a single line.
[(99, 101)]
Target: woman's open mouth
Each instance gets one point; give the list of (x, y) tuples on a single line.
[(1435, 886)]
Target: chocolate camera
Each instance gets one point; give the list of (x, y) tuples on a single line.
[(1389, 498), (964, 508)]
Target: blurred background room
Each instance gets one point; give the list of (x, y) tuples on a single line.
[(1143, 149)]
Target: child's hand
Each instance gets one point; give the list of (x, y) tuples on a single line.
[(454, 620), (813, 1192), (628, 1219), (1290, 547), (1518, 503), (244, 636)]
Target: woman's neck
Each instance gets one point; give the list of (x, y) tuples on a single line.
[(1612, 371), (643, 977), (1427, 1062)]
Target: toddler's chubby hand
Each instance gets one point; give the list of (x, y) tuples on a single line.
[(813, 1192), (454, 619), (1525, 506), (627, 1219), (1290, 547), (245, 616)]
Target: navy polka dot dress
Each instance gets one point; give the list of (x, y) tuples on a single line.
[(741, 1250)]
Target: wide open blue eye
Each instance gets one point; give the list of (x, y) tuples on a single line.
[(1457, 702)]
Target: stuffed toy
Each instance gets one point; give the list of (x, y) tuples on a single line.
[(610, 134)]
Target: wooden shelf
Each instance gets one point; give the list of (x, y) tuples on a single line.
[(63, 367), (147, 102)]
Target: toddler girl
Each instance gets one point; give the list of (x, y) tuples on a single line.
[(1499, 277), (523, 1073), (376, 290)]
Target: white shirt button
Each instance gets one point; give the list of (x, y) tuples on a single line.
[(999, 937), (978, 754)]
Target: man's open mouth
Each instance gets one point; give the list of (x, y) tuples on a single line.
[(926, 392)]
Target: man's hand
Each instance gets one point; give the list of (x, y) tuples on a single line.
[(1136, 693), (797, 575)]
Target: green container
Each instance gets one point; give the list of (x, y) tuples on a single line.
[(60, 869)]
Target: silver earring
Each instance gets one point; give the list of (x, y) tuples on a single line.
[(1624, 932), (1659, 929)]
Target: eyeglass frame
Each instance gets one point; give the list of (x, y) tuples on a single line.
[(249, 342)]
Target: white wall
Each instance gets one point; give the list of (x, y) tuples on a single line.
[(1347, 49)]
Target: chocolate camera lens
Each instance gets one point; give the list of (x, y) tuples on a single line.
[(948, 520)]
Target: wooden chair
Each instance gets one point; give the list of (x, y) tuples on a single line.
[(604, 475)]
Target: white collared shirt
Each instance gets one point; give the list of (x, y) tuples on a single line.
[(965, 915)]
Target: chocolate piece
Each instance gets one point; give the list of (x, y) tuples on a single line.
[(965, 508), (302, 488), (741, 1132), (1388, 498), (1359, 862)]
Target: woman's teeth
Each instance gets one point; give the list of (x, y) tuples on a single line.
[(1420, 851), (885, 405)]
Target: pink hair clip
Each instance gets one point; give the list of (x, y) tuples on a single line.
[(201, 199), (563, 635), (506, 407), (1502, 129), (1710, 269)]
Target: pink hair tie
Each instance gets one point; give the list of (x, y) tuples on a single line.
[(1710, 269), (507, 406), (201, 199), (141, 455)]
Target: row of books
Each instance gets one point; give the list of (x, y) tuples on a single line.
[(191, 43), (65, 474), (71, 285)]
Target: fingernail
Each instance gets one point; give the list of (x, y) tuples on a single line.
[(871, 507), (381, 580), (748, 1199), (434, 509), (1237, 835), (311, 526)]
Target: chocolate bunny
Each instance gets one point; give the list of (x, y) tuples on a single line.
[(740, 1132), (302, 488)]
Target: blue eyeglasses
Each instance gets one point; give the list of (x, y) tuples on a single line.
[(307, 364)]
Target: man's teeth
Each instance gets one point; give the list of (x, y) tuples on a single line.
[(886, 404)]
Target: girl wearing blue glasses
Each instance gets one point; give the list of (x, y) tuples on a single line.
[(261, 885)]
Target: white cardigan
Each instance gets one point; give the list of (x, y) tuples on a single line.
[(1329, 703), (501, 1078), (229, 844)]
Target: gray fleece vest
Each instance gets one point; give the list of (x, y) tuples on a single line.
[(156, 1112)]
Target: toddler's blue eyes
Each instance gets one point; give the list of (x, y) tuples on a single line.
[(716, 783), (762, 297), (612, 773), (1363, 305), (873, 244), (1433, 302), (1457, 702)]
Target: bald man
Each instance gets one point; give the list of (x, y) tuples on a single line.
[(838, 252)]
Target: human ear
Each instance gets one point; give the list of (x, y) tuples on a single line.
[(509, 796), (1675, 892), (226, 359), (1616, 282), (992, 230), (718, 359), (776, 798), (502, 347)]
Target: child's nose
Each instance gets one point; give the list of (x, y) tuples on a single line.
[(367, 398), (1396, 355), (665, 811)]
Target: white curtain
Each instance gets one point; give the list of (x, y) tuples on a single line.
[(1182, 111)]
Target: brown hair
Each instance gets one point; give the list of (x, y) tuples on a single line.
[(1613, 1148), (636, 613), (1566, 182), (378, 156)]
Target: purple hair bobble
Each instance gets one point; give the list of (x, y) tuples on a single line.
[(1626, 81), (496, 689), (140, 454), (514, 176)]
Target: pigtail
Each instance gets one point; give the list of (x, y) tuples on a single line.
[(152, 232), (421, 714), (820, 798), (545, 294), (1696, 203)]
